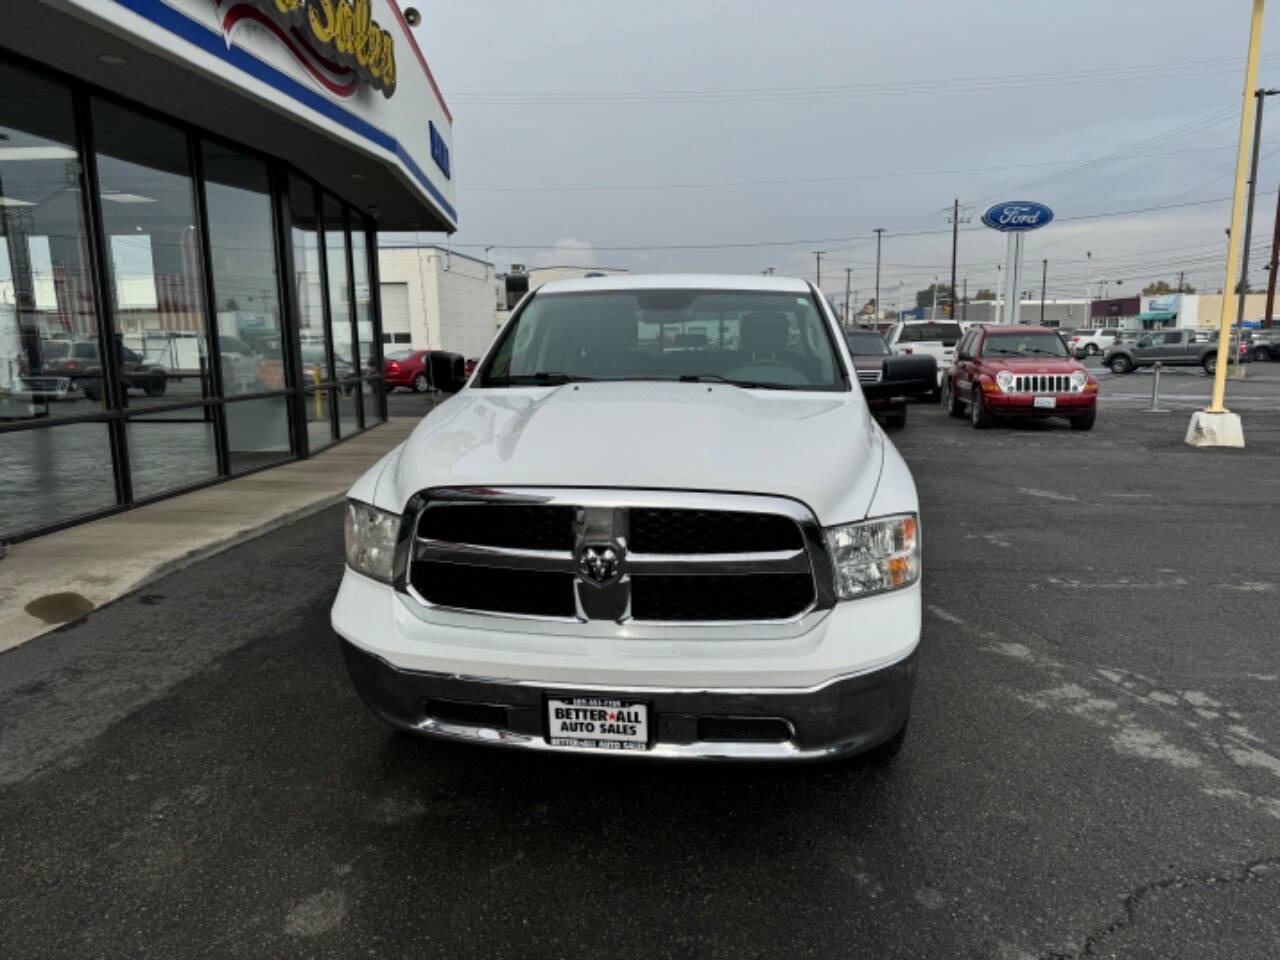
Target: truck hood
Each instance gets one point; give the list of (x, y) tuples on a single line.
[(821, 449)]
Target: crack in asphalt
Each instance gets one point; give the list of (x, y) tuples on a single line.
[(1247, 872)]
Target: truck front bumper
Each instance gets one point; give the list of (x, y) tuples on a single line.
[(844, 716), (1023, 404)]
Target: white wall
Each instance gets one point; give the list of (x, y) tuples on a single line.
[(450, 297)]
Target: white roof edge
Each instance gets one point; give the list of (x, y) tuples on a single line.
[(677, 281)]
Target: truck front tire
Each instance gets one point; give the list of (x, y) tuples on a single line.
[(1120, 365)]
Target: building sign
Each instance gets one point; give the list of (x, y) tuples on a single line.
[(1166, 304), (1017, 215), (439, 151), (337, 41)]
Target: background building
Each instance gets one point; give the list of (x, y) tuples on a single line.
[(434, 298), (189, 194)]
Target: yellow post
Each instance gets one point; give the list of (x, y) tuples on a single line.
[(1237, 215)]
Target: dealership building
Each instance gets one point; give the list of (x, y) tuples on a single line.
[(189, 197)]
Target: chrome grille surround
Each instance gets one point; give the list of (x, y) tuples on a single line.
[(602, 519)]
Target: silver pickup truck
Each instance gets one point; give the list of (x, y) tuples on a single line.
[(1172, 348)]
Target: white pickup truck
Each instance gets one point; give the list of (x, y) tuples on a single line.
[(659, 521), (934, 338)]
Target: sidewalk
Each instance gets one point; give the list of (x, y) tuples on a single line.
[(62, 577)]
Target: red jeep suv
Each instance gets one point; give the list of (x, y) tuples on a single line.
[(1018, 372)]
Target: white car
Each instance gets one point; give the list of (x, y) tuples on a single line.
[(659, 521), (934, 338), (1095, 342)]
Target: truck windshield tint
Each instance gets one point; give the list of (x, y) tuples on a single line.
[(1023, 345), (948, 333), (748, 338), (867, 344)]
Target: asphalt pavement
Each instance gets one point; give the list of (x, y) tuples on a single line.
[(1093, 767)]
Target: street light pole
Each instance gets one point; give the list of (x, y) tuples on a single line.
[(818, 254), (879, 232), (1044, 279), (848, 277), (955, 240)]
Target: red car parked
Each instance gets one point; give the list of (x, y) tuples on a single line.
[(1018, 372), (409, 368)]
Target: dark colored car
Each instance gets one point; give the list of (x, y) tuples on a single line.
[(420, 370), (869, 351), (1018, 372), (83, 365)]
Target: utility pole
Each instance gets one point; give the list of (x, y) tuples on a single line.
[(848, 278), (964, 301), (955, 240), (1271, 276), (818, 254), (1182, 273), (1088, 282), (1044, 280), (934, 314), (1260, 97), (879, 232)]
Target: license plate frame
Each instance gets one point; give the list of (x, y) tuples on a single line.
[(599, 738), (1045, 403)]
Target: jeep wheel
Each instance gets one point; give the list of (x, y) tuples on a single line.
[(953, 406), (979, 416), (1084, 421), (1120, 364)]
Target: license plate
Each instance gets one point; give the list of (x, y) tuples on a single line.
[(597, 723), (1045, 403)]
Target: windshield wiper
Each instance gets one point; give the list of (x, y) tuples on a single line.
[(745, 384), (540, 378)]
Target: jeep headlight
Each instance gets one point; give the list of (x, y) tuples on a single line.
[(1004, 380), (371, 539), (875, 555), (1079, 380)]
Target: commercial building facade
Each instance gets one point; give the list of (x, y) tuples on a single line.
[(189, 197), (434, 298)]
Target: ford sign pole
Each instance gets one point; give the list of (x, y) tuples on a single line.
[(1016, 217)]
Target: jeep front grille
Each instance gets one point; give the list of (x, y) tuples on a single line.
[(672, 558), (1042, 383)]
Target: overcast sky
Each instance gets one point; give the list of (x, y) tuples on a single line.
[(580, 126)]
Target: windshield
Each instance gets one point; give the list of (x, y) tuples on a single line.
[(1034, 344), (752, 338), (948, 332), (867, 344)]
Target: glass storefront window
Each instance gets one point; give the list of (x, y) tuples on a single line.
[(54, 474), (153, 248), (307, 290), (364, 300), (335, 244), (257, 432), (172, 449), (243, 256), (47, 308), (319, 421)]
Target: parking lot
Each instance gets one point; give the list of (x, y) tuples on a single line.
[(1093, 767)]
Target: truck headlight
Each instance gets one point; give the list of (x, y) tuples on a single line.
[(1079, 380), (875, 555), (1004, 380), (371, 539)]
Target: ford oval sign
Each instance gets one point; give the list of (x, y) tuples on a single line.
[(1017, 215)]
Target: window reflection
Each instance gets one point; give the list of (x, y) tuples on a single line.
[(363, 299), (242, 252), (171, 449), (339, 286), (50, 475), (307, 280), (156, 279), (47, 305), (257, 432), (319, 421)]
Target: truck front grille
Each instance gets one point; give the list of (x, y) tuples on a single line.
[(477, 551)]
